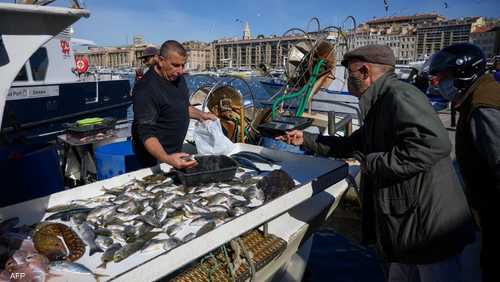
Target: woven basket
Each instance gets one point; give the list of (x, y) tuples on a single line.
[(215, 267)]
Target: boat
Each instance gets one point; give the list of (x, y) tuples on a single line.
[(47, 90), (319, 182)]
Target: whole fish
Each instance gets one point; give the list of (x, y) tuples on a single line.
[(102, 231), (100, 212), (103, 242), (66, 214), (246, 163), (64, 207), (88, 236), (170, 243), (47, 242), (237, 211), (108, 255), (255, 157), (130, 207), (73, 267), (153, 245), (133, 247), (217, 199)]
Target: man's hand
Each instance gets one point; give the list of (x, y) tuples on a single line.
[(295, 137), (180, 160), (361, 158), (207, 116)]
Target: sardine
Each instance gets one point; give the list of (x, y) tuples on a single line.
[(108, 255)]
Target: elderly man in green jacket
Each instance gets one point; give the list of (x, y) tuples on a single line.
[(413, 207)]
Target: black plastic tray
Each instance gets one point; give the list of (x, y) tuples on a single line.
[(279, 126), (87, 130), (211, 168)]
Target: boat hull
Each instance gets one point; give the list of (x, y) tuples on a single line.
[(36, 113)]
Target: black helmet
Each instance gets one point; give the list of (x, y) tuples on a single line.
[(466, 61)]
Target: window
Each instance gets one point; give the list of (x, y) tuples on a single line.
[(39, 63), (22, 75)]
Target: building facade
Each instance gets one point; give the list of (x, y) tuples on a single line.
[(433, 37), (399, 33), (113, 57), (199, 56), (488, 39)]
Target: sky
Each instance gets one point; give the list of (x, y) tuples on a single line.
[(115, 22)]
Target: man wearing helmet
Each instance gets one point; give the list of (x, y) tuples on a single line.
[(458, 73)]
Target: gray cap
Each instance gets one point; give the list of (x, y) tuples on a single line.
[(148, 52), (376, 54)]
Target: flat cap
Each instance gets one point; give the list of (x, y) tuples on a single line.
[(376, 54), (148, 52)]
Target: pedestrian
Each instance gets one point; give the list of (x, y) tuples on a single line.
[(413, 207), (458, 73)]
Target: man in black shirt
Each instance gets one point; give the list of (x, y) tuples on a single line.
[(162, 110)]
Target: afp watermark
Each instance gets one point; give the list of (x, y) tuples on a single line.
[(17, 275)]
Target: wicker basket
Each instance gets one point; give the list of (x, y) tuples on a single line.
[(215, 267)]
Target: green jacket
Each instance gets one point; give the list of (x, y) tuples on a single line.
[(413, 206)]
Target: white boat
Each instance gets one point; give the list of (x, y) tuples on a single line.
[(47, 91), (321, 181)]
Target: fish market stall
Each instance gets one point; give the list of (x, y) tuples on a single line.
[(195, 221)]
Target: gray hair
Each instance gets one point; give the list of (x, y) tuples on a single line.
[(172, 46)]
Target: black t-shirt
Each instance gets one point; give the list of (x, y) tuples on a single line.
[(161, 111)]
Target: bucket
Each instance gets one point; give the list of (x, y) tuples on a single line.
[(28, 172), (115, 159)]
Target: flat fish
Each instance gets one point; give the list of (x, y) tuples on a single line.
[(47, 242)]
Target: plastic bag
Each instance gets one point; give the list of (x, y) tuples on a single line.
[(210, 140)]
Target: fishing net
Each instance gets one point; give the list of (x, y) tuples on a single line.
[(224, 264)]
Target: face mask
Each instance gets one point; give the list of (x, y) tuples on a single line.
[(354, 85), (447, 89)]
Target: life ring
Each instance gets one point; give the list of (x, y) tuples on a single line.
[(82, 65)]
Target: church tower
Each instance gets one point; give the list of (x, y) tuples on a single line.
[(247, 35)]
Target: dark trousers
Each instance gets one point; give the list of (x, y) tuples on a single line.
[(490, 245), (143, 156)]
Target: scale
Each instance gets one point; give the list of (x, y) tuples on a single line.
[(280, 125)]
